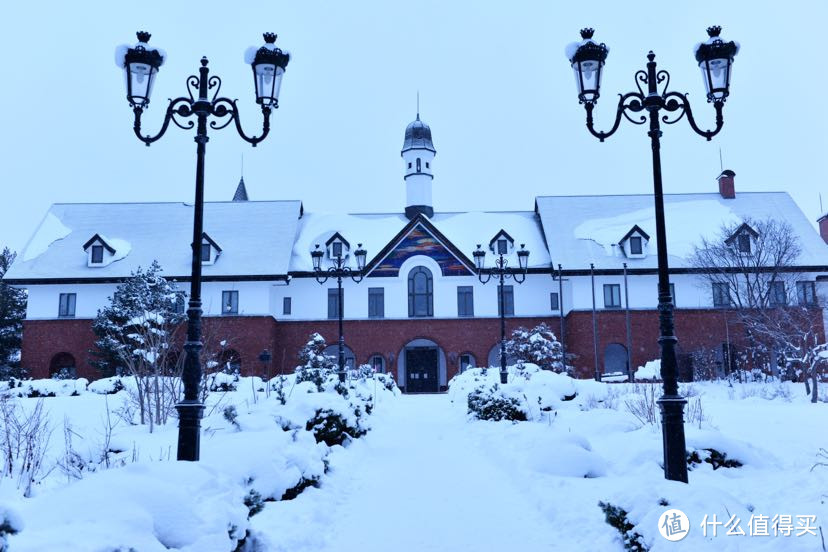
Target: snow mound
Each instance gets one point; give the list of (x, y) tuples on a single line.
[(651, 371), (50, 231)]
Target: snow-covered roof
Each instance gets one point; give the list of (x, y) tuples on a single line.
[(256, 239), (582, 229), (375, 231)]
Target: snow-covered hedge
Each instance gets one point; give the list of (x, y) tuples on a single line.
[(273, 447)]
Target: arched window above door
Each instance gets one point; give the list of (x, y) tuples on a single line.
[(420, 292)]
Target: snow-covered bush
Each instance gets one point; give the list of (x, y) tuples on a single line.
[(711, 456), (616, 517), (315, 366), (496, 404), (10, 524), (650, 372), (106, 386), (537, 346)]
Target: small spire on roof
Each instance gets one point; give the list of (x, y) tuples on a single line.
[(241, 192)]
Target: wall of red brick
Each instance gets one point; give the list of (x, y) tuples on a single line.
[(369, 337), (695, 329)]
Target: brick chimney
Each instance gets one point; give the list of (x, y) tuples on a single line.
[(726, 186), (823, 227)]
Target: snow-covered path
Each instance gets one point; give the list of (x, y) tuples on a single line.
[(418, 479)]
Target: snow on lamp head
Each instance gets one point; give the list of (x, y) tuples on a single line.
[(587, 59), (268, 63), (479, 257), (715, 58), (140, 64)]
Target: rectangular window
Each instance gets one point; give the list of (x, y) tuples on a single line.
[(776, 294), (508, 300), (97, 254), (205, 253), (179, 306), (554, 301), (502, 247), (376, 302), (721, 294), (337, 249), (66, 307), (612, 296), (744, 243), (466, 362), (806, 293), (635, 245), (230, 302), (286, 305), (465, 301), (333, 303)]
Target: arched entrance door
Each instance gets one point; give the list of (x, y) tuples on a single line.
[(63, 365), (422, 367), (615, 359)]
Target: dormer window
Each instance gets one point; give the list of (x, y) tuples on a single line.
[(98, 251), (634, 243), (338, 247), (742, 239), (502, 243), (97, 254), (210, 250), (636, 247), (502, 246)]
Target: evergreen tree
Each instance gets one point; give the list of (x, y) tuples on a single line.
[(12, 313), (144, 304), (315, 366), (537, 346)]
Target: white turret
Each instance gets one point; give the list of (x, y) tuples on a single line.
[(418, 154)]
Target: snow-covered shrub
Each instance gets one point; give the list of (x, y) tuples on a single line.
[(495, 404), (715, 458), (538, 346), (231, 415), (106, 386), (65, 373), (223, 382), (315, 366), (10, 524), (650, 372), (254, 502), (616, 517), (335, 428)]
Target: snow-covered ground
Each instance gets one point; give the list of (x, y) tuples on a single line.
[(428, 476)]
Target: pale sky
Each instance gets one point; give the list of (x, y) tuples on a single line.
[(494, 84)]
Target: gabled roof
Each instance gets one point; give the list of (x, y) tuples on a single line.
[(257, 237), (379, 232), (422, 221), (103, 242), (337, 236), (503, 233), (582, 229), (632, 231), (744, 227), (210, 240)]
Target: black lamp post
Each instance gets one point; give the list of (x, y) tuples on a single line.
[(715, 58), (339, 271), (503, 273), (140, 64)]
